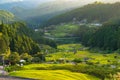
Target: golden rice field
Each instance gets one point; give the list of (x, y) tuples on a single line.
[(52, 75)]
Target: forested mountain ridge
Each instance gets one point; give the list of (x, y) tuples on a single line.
[(96, 12), (40, 12), (46, 11)]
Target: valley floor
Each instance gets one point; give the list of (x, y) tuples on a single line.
[(65, 69)]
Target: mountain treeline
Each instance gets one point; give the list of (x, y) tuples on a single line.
[(96, 12)]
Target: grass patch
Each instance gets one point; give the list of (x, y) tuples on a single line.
[(63, 30)]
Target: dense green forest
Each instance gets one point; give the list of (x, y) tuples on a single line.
[(96, 12), (16, 39), (107, 36)]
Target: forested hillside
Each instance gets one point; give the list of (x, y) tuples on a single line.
[(17, 39), (96, 12), (13, 36), (107, 37), (40, 11)]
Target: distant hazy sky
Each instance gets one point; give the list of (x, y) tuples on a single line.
[(10, 1), (87, 1)]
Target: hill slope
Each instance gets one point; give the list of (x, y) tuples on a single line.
[(46, 11), (96, 12), (42, 11)]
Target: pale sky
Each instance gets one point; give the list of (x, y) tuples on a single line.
[(86, 1), (10, 1), (7, 1)]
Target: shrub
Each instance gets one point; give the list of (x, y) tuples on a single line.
[(26, 57), (14, 58), (78, 60), (13, 68), (36, 60)]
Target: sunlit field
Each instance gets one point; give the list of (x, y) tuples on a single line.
[(63, 71), (66, 53), (52, 75)]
